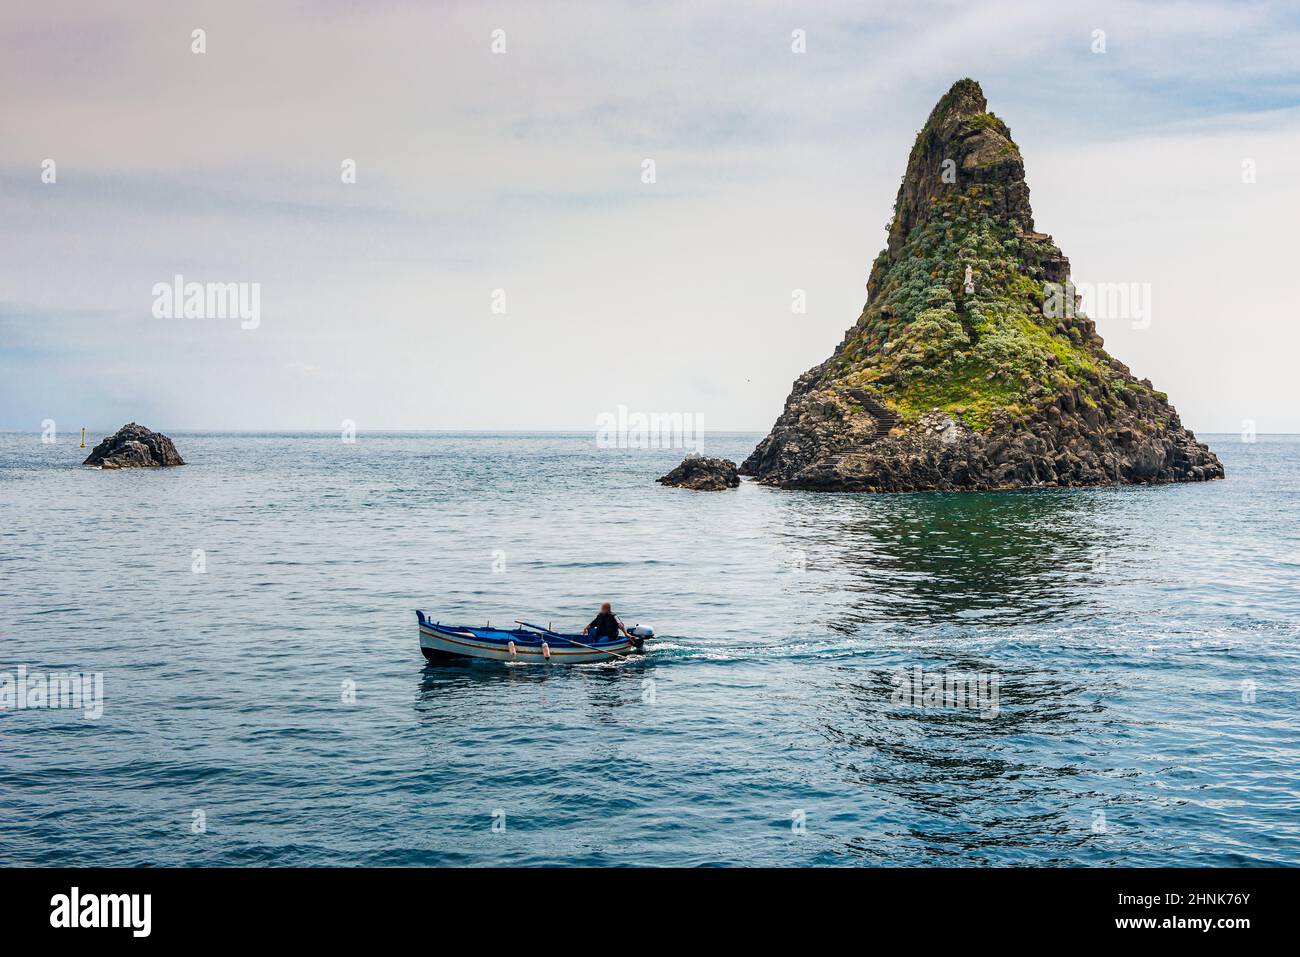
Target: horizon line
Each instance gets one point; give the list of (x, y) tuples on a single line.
[(282, 431), (474, 431)]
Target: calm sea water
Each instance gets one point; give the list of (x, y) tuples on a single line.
[(1144, 641)]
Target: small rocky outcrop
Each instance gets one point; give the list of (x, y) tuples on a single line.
[(134, 446), (703, 475), (972, 365)]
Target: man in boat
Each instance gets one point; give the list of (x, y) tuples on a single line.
[(606, 625)]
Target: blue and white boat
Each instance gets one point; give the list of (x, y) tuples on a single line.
[(527, 644)]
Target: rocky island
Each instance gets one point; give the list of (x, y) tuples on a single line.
[(963, 370), (134, 446), (703, 475)]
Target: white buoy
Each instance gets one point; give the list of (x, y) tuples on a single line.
[(511, 647), (546, 650)]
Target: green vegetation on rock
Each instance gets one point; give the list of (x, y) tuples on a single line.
[(957, 375), (923, 343)]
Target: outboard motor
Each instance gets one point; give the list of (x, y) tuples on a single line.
[(640, 633)]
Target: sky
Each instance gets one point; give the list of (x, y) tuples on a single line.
[(500, 261)]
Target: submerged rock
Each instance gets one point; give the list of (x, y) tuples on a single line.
[(971, 365), (703, 475), (134, 446)]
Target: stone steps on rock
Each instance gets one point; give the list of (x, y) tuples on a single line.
[(886, 421)]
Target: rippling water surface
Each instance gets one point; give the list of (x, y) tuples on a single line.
[(1144, 641)]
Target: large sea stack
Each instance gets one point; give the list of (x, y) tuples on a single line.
[(982, 380), (134, 446)]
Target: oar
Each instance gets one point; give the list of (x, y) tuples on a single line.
[(547, 631)]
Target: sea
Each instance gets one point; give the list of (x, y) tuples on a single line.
[(1101, 677)]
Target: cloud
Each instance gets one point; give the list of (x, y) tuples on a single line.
[(522, 173)]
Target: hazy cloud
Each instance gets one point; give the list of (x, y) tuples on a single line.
[(523, 172)]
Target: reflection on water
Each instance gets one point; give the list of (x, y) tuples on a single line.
[(1052, 594), (958, 780), (931, 558), (605, 689)]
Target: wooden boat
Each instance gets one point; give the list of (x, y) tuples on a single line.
[(527, 643)]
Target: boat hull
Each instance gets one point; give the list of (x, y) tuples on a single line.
[(439, 643)]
